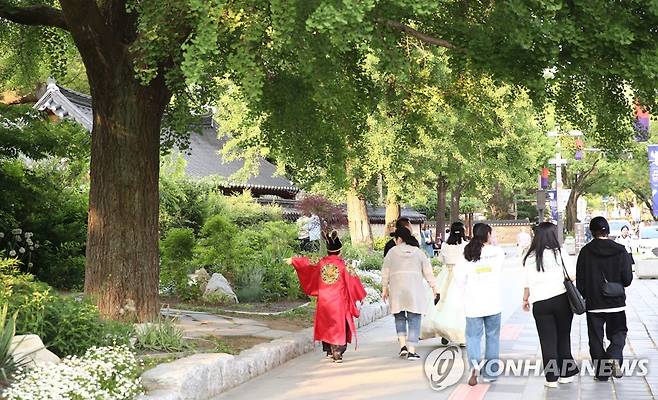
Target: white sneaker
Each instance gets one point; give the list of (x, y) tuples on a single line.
[(550, 384), (566, 380)]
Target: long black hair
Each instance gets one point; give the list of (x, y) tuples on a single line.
[(473, 250), (457, 234), (545, 238)]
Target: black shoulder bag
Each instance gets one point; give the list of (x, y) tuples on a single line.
[(576, 299), (611, 289)]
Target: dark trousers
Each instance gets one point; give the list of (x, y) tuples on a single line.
[(553, 319), (615, 331), (337, 348)]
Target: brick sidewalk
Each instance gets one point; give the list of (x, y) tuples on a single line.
[(519, 341)]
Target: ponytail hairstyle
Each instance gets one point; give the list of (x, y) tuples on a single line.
[(481, 234), (457, 233), (405, 235), (545, 238)]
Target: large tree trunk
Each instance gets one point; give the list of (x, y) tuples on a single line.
[(440, 217), (455, 199), (357, 218), (392, 213), (122, 270)]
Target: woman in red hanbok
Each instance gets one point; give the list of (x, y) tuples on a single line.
[(337, 288)]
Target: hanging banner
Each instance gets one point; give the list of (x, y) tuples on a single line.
[(552, 202), (653, 176)]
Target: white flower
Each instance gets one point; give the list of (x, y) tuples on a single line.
[(36, 245), (31, 248), (21, 250), (29, 242), (16, 231), (19, 239), (549, 73), (2, 235), (12, 253), (30, 265)]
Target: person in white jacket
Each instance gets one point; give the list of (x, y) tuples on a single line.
[(544, 266), (480, 277)]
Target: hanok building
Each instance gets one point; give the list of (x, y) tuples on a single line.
[(203, 159)]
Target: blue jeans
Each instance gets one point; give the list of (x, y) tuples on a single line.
[(491, 324), (404, 318)]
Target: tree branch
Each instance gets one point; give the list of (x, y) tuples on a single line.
[(33, 15), (423, 37)]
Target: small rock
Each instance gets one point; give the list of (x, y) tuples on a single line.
[(200, 277), (32, 349), (219, 286)]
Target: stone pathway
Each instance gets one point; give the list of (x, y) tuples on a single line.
[(374, 371), (197, 324)]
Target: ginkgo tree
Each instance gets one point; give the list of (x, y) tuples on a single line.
[(299, 65)]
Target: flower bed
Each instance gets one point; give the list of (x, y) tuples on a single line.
[(101, 373)]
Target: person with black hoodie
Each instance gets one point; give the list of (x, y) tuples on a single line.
[(603, 271), (402, 222)]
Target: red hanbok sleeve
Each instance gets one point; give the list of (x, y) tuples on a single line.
[(309, 275), (355, 289)]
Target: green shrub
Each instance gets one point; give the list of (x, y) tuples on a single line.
[(176, 253), (380, 242), (66, 325), (372, 260), (182, 202), (240, 209), (249, 282), (216, 250), (162, 335), (354, 252), (72, 326)]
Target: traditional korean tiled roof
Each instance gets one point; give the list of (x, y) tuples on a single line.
[(203, 157)]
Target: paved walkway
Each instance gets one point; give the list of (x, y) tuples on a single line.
[(200, 325), (374, 371)]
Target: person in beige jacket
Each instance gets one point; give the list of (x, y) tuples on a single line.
[(404, 269)]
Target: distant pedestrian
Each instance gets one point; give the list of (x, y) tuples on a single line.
[(523, 240), (303, 234), (603, 271), (480, 276), (405, 267), (314, 232), (427, 238), (626, 240), (544, 289), (402, 222)]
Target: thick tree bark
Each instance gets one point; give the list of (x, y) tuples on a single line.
[(357, 218), (392, 213), (440, 217), (122, 243), (455, 199), (122, 271)]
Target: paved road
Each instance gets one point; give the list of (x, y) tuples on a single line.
[(375, 372)]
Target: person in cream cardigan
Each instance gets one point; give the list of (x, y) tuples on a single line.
[(405, 267)]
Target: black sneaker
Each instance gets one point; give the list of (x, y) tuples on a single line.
[(404, 351), (413, 356), (330, 354), (616, 370), (338, 358)]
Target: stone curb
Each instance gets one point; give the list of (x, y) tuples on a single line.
[(206, 375)]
